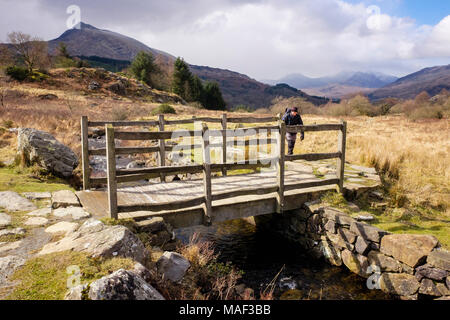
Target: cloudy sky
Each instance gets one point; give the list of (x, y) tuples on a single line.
[(266, 39)]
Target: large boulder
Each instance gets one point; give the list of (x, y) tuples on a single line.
[(440, 259), (410, 249), (120, 285), (42, 148), (172, 266), (99, 240), (8, 265)]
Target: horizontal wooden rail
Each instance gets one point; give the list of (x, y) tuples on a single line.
[(124, 150), (310, 184), (313, 156), (181, 204), (244, 192), (159, 170), (246, 143), (188, 121), (316, 127), (252, 120), (122, 123)]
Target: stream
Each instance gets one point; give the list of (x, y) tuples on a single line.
[(261, 256)]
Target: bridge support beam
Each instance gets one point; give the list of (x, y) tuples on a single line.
[(162, 148), (111, 172), (207, 187), (85, 153), (341, 160), (281, 167)]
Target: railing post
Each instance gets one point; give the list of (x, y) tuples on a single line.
[(341, 161), (280, 167), (85, 153), (162, 148), (224, 139), (207, 176), (111, 171)]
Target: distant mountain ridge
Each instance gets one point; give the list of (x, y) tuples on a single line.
[(346, 78), (237, 89), (432, 80), (338, 85)]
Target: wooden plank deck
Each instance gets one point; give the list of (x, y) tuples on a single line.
[(95, 202)]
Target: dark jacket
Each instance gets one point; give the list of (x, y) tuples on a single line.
[(292, 121)]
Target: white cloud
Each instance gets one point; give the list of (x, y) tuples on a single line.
[(262, 38)]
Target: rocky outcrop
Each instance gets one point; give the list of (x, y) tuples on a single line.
[(120, 285), (7, 266), (42, 148), (5, 220), (99, 240)]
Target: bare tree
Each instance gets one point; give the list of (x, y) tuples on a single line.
[(32, 50), (6, 57)]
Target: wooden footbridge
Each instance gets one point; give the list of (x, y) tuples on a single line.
[(275, 187)]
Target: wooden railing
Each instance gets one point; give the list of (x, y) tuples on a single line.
[(115, 176)]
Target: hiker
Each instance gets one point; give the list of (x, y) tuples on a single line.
[(292, 118)]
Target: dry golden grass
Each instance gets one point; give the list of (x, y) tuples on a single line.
[(413, 156)]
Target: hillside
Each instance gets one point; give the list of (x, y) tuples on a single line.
[(432, 80), (240, 89), (95, 44)]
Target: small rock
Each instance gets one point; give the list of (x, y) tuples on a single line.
[(62, 227), (377, 195), (428, 287), (64, 199), (332, 255), (287, 283), (172, 266), (12, 201), (439, 258), (337, 216), (36, 222), (346, 235), (44, 212), (427, 271), (5, 220), (48, 96), (379, 205), (365, 218), (353, 207), (385, 263), (8, 265), (356, 263), (75, 213), (136, 165), (9, 246), (399, 283), (366, 231), (330, 226), (12, 232), (94, 85), (362, 246)]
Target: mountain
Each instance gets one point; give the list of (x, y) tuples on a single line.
[(431, 80), (95, 44), (89, 41), (338, 85)]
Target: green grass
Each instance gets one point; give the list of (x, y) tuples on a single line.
[(24, 180), (45, 277)]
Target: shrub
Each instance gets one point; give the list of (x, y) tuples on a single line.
[(119, 114), (8, 124), (242, 108), (164, 109), (17, 73)]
